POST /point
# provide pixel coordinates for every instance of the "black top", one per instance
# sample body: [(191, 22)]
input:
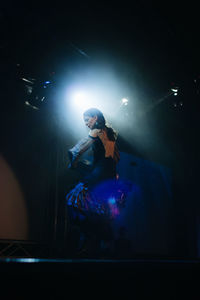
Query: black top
[(98, 150)]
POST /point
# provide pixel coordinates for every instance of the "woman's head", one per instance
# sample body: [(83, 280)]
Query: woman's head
[(94, 118)]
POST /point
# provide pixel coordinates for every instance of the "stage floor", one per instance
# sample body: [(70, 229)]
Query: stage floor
[(105, 268), (135, 278)]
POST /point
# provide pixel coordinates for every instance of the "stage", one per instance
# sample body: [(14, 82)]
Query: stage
[(106, 269), (136, 278)]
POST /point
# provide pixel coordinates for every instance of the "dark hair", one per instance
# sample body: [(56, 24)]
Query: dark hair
[(101, 123)]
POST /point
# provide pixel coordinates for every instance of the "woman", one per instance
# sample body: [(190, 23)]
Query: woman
[(97, 196)]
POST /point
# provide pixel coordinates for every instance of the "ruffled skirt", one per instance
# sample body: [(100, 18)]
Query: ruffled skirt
[(105, 199)]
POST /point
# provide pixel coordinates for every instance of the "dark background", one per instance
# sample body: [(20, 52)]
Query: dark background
[(154, 45)]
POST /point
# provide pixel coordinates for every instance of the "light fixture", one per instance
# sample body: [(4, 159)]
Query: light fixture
[(175, 91), (124, 101)]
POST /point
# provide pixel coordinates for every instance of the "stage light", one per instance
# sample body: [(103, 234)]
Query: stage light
[(124, 101), (79, 98), (32, 106), (175, 91), (82, 100), (46, 83)]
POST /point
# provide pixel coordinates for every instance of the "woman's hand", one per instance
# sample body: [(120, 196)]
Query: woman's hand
[(75, 152), (73, 160)]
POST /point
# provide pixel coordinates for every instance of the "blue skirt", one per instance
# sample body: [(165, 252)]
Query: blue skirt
[(106, 198)]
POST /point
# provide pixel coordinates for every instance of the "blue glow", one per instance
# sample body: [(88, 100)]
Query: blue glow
[(110, 189), (111, 201), (47, 82), (28, 260), (23, 260)]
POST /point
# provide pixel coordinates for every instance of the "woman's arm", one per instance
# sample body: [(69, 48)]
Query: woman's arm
[(75, 152)]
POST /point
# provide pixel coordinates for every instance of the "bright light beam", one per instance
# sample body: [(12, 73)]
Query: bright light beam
[(81, 100)]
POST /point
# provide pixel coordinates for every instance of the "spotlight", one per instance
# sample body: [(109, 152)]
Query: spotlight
[(175, 91), (124, 101), (84, 99), (79, 97), (30, 105), (46, 83)]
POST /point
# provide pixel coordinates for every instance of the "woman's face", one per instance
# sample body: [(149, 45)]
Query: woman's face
[(90, 121)]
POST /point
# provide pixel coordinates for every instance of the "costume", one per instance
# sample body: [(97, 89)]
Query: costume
[(99, 192), (98, 198)]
